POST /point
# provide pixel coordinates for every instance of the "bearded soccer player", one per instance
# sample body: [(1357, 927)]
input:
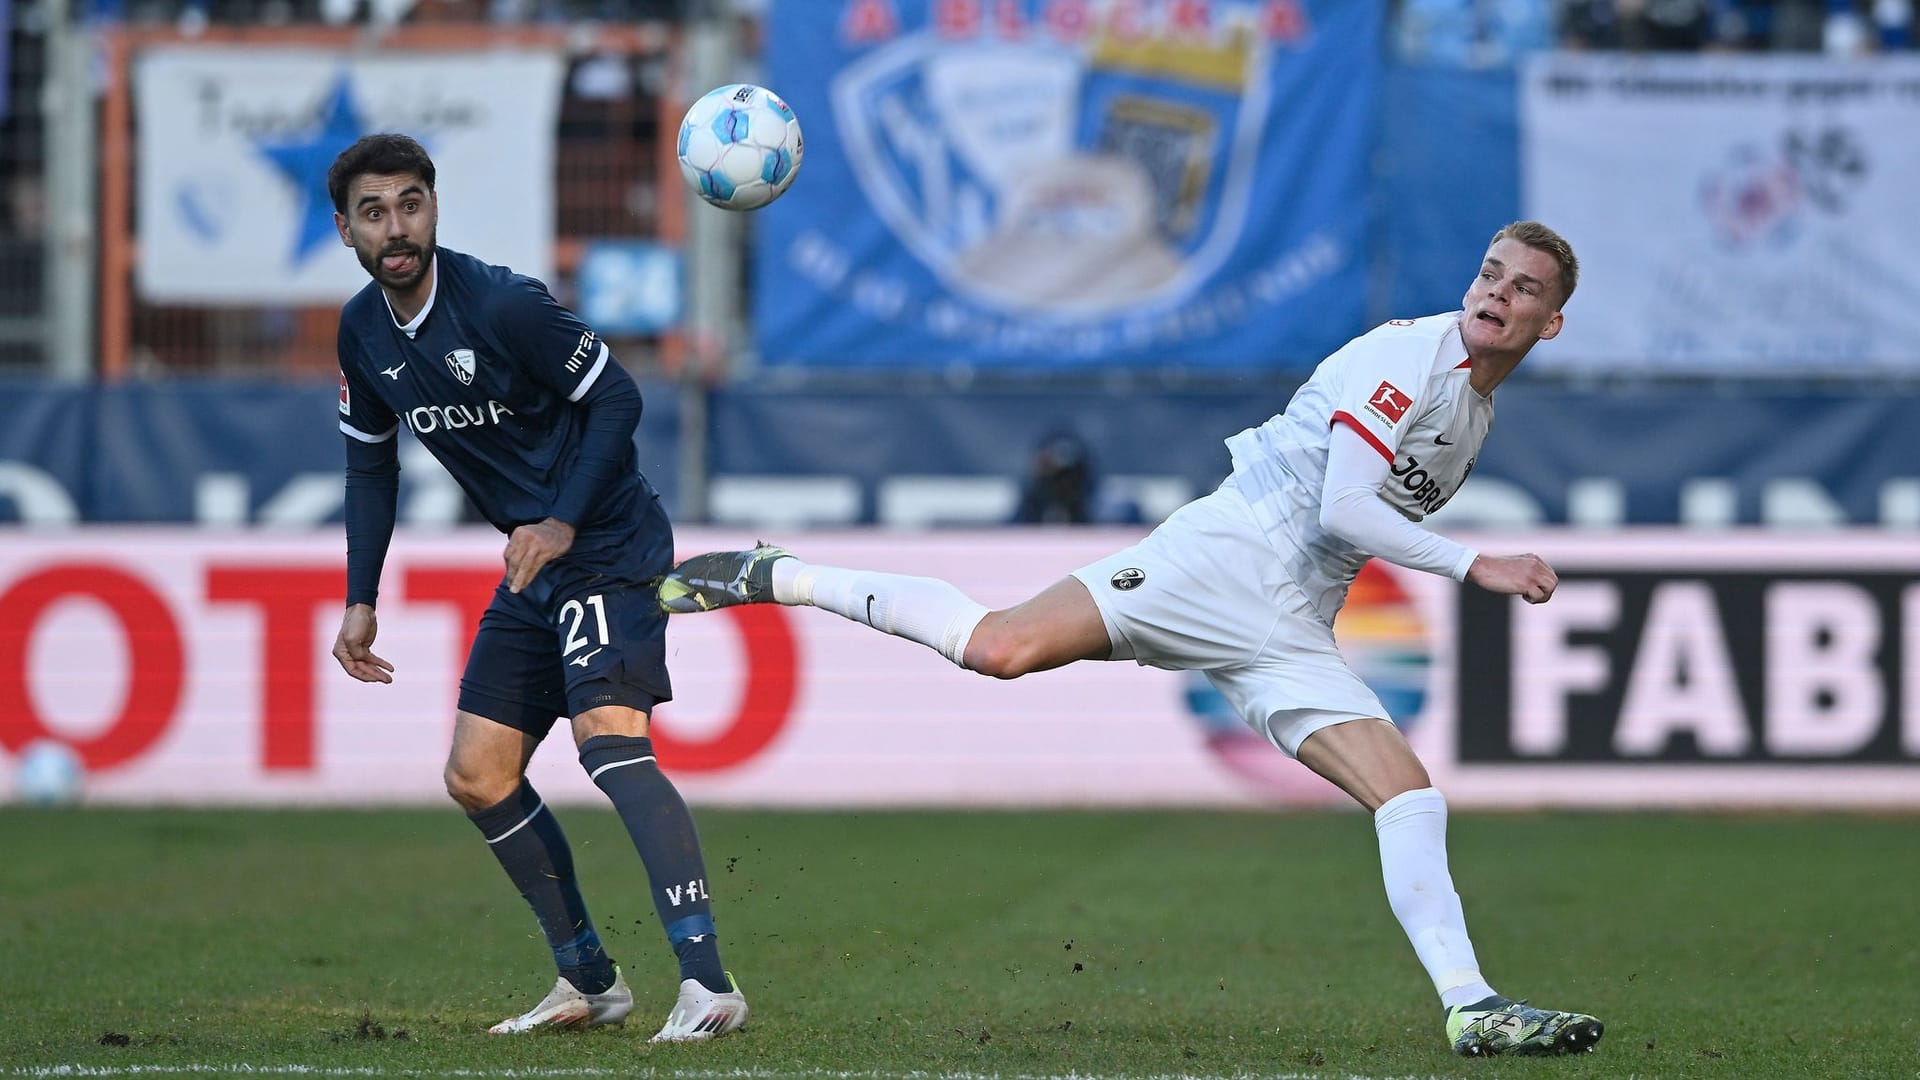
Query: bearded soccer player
[(530, 414), (1243, 584)]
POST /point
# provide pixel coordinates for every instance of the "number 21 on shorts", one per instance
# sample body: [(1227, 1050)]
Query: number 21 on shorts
[(577, 612)]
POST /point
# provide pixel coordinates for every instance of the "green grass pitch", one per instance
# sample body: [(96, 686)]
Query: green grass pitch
[(1148, 944)]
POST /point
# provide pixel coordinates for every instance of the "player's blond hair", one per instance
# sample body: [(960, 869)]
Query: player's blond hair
[(1540, 238)]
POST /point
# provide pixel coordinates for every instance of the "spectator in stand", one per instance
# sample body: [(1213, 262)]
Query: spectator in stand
[(1893, 21), (1471, 33), (1787, 25), (1875, 25), (1059, 484), (1835, 27), (1640, 25)]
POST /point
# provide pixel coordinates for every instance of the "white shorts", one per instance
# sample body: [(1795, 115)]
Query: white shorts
[(1206, 592)]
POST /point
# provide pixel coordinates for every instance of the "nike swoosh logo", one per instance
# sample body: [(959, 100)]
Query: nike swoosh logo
[(582, 660), (1442, 440), (393, 372), (870, 600)]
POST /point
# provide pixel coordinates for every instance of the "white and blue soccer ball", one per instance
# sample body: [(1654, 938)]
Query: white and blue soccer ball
[(48, 773), (740, 146)]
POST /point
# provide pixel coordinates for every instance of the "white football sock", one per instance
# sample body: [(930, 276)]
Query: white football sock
[(784, 573), (1412, 828), (922, 609)]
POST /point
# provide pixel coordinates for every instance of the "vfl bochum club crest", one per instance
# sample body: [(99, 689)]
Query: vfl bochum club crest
[(1080, 174), (460, 361)]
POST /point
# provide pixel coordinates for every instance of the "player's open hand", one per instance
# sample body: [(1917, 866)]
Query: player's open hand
[(534, 546), (1525, 576), (354, 647)]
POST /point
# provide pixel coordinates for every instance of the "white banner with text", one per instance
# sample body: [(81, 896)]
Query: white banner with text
[(235, 143), (1671, 669), (1738, 214)]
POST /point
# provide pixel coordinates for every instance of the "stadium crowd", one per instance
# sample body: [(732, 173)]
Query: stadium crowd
[(610, 113), (1490, 33)]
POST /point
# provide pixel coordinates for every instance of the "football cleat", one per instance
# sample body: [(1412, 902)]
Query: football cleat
[(1494, 1025), (567, 1009), (701, 1014), (721, 579)]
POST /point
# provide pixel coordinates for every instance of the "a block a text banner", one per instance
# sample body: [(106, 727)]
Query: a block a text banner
[(234, 146), (1669, 671), (1062, 183), (1732, 214)]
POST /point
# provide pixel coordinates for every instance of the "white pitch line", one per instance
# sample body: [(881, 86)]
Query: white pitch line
[(50, 1072)]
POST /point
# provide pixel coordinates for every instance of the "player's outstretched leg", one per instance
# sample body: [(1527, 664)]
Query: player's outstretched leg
[(1494, 1025), (721, 579), (922, 609)]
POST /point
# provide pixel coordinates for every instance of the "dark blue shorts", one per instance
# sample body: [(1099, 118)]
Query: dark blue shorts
[(587, 632)]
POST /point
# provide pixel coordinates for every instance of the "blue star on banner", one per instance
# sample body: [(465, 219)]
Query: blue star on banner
[(304, 162)]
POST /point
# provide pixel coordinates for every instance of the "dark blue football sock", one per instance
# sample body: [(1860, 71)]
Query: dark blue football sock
[(662, 829), (527, 840)]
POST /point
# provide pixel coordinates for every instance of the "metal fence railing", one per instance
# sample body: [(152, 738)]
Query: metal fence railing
[(23, 193), (615, 178)]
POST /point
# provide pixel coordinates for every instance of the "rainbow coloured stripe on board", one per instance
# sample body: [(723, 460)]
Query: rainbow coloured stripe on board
[(1384, 638)]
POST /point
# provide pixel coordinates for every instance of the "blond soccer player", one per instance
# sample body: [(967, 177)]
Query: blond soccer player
[(1243, 584)]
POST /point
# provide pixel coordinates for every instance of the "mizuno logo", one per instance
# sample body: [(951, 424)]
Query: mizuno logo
[(582, 660), (394, 372)]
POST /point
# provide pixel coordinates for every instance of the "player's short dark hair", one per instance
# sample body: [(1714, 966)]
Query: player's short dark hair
[(377, 155), (1540, 238)]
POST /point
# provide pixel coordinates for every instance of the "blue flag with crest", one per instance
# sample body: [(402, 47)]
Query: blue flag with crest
[(1044, 184)]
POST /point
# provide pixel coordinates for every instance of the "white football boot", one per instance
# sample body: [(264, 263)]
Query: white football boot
[(567, 1009), (701, 1014)]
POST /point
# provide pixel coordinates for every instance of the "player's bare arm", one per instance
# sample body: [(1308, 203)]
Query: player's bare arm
[(353, 647), (534, 546), (1526, 576)]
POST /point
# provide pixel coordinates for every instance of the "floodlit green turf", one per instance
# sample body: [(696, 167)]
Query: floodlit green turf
[(1148, 944)]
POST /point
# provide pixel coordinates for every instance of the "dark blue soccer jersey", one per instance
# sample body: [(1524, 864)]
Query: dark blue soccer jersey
[(486, 381)]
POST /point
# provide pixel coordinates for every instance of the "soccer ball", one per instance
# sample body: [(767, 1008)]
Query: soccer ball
[(740, 146), (48, 773)]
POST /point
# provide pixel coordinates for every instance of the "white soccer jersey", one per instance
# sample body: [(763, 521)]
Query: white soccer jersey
[(1403, 388)]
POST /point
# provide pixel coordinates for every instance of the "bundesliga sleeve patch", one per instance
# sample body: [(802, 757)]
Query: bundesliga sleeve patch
[(346, 403), (1389, 403)]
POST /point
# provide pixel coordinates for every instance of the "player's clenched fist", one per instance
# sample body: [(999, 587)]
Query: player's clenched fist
[(1526, 576)]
